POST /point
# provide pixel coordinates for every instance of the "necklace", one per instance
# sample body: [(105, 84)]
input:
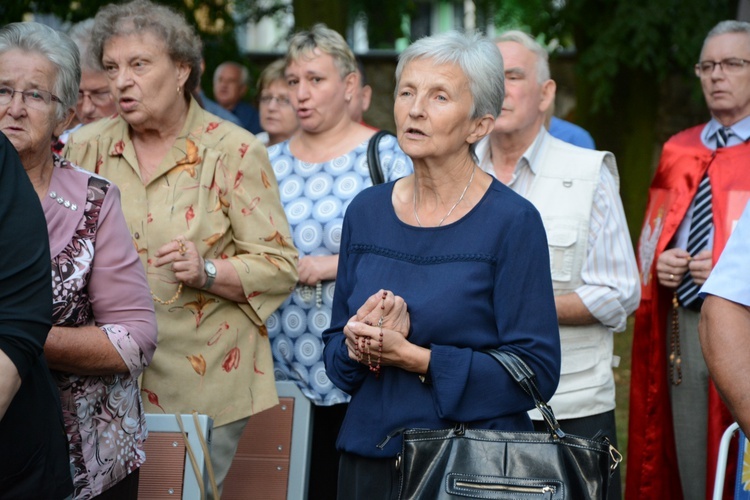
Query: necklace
[(460, 199)]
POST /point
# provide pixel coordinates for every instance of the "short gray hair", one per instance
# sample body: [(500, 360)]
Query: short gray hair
[(542, 56), (475, 55), (244, 73), (143, 16), (328, 41), (80, 33), (724, 27), (59, 50)]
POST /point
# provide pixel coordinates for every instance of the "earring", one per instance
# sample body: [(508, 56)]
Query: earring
[(178, 89), (348, 98)]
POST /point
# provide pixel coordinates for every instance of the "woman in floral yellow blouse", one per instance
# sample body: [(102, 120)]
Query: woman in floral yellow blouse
[(202, 204)]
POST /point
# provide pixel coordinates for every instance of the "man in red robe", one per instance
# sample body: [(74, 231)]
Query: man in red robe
[(698, 193)]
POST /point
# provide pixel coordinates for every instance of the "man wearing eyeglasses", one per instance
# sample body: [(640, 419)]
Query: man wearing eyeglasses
[(696, 197)]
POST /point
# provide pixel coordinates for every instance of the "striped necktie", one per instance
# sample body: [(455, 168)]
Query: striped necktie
[(700, 228)]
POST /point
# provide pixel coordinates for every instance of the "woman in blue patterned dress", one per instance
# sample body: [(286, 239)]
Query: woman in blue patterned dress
[(319, 170)]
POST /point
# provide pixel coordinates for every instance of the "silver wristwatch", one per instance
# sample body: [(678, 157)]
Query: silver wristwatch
[(210, 269)]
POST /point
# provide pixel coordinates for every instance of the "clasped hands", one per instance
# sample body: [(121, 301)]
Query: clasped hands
[(184, 260), (672, 265), (363, 330)]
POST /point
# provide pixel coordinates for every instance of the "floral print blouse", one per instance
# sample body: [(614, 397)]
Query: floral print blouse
[(97, 279), (216, 188), (315, 197)]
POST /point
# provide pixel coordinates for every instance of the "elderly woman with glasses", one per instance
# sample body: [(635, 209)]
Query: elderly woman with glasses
[(435, 268), (277, 116), (104, 327), (202, 206)]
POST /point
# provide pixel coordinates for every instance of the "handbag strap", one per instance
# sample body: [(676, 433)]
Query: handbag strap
[(525, 377), (373, 157)]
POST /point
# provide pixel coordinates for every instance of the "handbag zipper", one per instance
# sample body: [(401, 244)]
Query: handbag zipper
[(547, 491)]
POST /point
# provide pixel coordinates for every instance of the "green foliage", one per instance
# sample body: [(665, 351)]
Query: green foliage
[(214, 22), (384, 19), (254, 11), (656, 37), (519, 14)]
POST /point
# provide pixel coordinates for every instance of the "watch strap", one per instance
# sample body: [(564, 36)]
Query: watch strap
[(210, 270)]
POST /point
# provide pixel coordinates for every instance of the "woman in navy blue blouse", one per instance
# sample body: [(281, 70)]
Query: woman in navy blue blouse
[(434, 268)]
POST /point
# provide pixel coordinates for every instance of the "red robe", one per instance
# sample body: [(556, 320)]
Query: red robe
[(652, 463)]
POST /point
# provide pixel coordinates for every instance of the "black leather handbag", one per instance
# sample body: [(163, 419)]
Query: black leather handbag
[(373, 157), (474, 463)]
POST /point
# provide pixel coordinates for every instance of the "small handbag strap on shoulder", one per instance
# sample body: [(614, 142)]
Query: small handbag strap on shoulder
[(373, 157), (525, 377)]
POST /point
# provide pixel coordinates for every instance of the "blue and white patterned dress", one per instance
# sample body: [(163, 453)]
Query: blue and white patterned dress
[(315, 197)]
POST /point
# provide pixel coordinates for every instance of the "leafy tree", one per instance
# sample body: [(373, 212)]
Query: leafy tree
[(214, 21)]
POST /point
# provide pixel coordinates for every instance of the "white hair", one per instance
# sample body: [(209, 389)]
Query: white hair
[(59, 50), (542, 57), (724, 27), (244, 73), (478, 58)]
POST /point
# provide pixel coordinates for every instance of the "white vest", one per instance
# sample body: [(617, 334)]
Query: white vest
[(563, 192)]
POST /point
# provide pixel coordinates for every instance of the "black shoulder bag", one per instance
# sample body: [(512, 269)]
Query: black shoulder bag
[(373, 157), (474, 463)]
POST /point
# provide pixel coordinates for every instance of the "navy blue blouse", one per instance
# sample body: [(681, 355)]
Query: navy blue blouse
[(480, 282)]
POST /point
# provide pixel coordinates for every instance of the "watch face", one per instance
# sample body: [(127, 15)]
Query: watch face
[(210, 268)]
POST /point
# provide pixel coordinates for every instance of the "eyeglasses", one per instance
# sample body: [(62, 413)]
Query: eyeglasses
[(98, 97), (729, 66), (34, 98), (281, 101)]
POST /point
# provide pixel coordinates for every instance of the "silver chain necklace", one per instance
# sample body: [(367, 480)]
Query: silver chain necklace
[(452, 208)]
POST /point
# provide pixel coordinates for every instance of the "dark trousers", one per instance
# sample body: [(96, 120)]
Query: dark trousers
[(363, 478), (324, 460), (127, 489), (589, 427)]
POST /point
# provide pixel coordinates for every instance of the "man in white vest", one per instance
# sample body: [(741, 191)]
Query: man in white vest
[(594, 272)]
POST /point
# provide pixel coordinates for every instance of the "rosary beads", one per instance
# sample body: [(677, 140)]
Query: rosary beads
[(366, 351), (182, 250)]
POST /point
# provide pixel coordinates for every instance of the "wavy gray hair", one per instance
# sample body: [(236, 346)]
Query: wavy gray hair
[(58, 48), (478, 58), (143, 16)]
